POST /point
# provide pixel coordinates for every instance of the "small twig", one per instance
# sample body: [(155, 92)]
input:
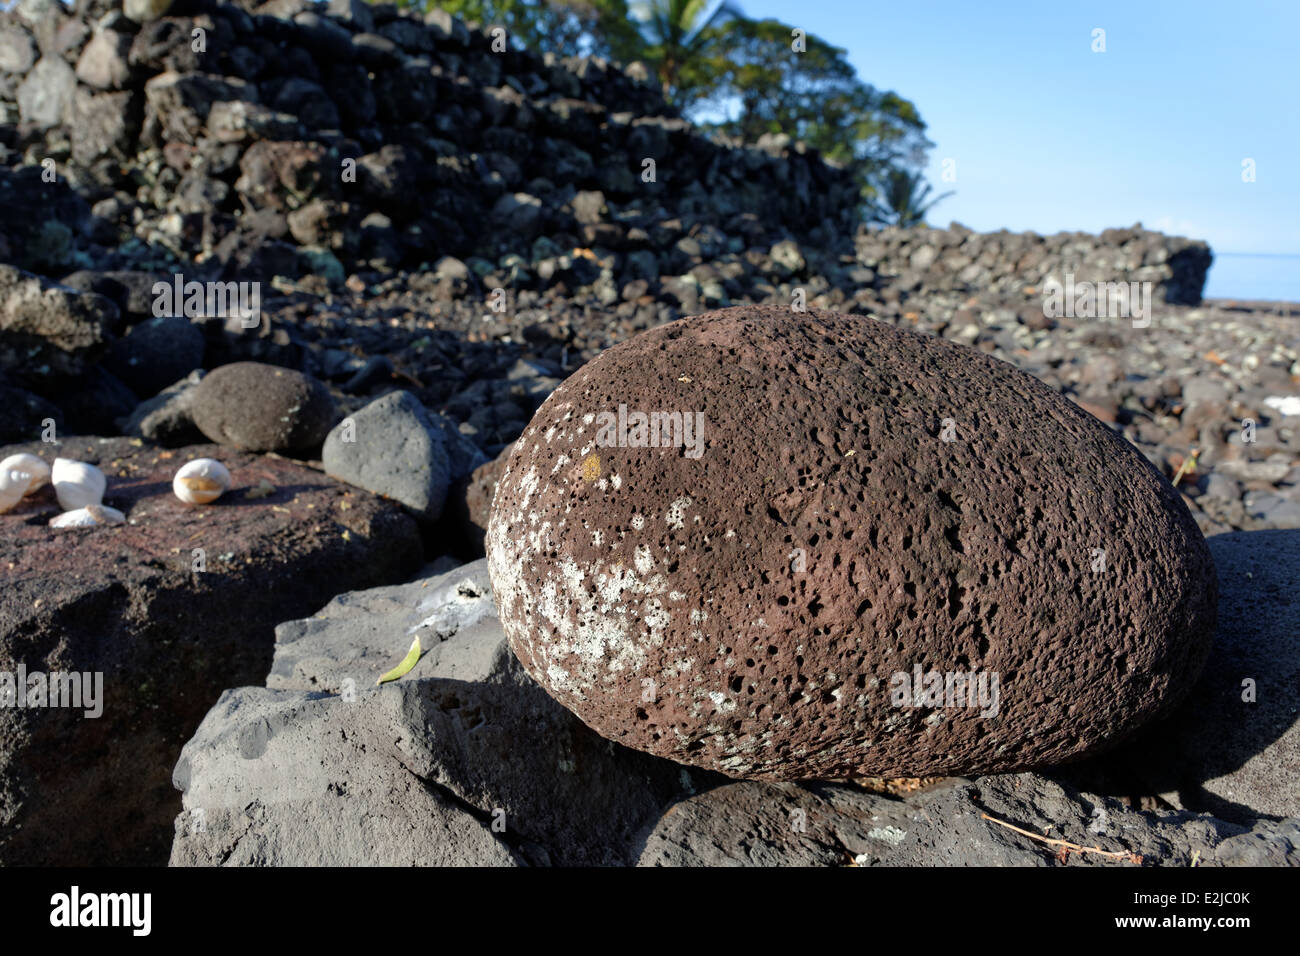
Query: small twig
[(1066, 846)]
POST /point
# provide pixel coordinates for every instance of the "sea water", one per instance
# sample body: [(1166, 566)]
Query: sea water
[(1254, 276)]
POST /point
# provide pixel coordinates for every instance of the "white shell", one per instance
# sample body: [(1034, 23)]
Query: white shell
[(77, 484), (88, 517), (34, 466), (201, 480), (13, 485)]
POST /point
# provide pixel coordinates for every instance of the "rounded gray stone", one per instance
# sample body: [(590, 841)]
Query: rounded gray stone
[(258, 407)]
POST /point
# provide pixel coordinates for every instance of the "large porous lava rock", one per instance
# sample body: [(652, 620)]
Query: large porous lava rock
[(170, 607), (258, 407), (854, 513)]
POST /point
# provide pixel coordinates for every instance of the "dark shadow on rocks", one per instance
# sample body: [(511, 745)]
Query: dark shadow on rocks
[(467, 725), (504, 743), (963, 822), (1232, 748)]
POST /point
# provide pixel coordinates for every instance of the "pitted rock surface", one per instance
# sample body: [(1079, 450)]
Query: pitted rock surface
[(748, 610)]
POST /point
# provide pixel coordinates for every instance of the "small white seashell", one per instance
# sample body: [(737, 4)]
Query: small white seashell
[(201, 480), (34, 466), (90, 516), (14, 483), (77, 484)]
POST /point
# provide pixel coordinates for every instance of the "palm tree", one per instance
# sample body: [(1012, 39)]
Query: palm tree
[(902, 198), (678, 36)]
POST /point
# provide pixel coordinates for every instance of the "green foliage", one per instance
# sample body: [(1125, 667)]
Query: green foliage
[(742, 77), (758, 80), (565, 27), (674, 38), (814, 95), (682, 41), (903, 198)]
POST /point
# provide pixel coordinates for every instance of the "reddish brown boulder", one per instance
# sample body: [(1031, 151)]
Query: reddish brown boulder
[(124, 600), (483, 487), (469, 505), (870, 510)]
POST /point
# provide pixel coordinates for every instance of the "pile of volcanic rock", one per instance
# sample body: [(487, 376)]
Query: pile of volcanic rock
[(290, 138), (957, 259), (280, 144)]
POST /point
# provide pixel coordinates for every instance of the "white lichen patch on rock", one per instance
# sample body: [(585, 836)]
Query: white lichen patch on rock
[(676, 516), (888, 834), (589, 626)]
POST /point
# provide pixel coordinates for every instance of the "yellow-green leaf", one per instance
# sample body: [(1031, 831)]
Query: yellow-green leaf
[(408, 662)]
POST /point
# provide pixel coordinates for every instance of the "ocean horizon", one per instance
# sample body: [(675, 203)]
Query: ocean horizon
[(1265, 276)]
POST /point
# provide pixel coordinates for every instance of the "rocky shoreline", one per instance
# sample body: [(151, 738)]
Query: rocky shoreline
[(284, 156)]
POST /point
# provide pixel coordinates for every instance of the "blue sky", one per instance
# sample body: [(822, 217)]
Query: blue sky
[(1048, 135)]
